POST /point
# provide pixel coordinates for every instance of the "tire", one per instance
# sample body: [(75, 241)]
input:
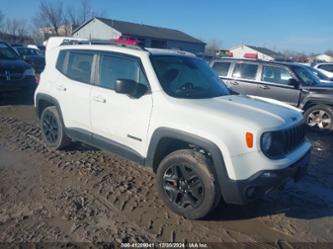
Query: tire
[(319, 118), (186, 184), (53, 129)]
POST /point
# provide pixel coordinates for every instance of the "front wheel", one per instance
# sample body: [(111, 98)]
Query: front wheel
[(186, 184), (319, 118)]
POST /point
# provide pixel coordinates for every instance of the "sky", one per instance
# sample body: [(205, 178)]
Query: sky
[(299, 25)]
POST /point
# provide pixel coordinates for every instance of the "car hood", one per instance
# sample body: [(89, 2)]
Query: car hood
[(13, 65), (321, 86), (244, 111)]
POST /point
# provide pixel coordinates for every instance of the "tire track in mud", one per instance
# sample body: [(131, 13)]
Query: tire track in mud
[(120, 185), (126, 191)]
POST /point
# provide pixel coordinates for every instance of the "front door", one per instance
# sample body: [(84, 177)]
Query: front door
[(274, 84), (118, 118)]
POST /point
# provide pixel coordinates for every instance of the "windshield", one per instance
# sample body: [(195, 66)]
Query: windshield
[(306, 75), (7, 52), (187, 77), (27, 51), (319, 74)]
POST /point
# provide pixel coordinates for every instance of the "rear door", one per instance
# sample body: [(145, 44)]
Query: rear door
[(243, 78), (274, 84)]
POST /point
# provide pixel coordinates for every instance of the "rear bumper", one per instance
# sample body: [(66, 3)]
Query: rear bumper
[(244, 191), (16, 85)]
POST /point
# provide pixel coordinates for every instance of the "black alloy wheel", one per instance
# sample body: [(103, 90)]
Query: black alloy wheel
[(183, 186)]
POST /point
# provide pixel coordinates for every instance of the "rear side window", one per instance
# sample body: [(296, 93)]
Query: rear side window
[(278, 75), (61, 61), (221, 68), (113, 67), (328, 67), (245, 71), (79, 66)]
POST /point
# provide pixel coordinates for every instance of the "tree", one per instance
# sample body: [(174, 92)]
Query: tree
[(212, 47), (15, 27), (50, 15), (85, 11), (329, 52)]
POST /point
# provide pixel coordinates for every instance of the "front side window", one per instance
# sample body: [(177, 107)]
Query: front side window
[(7, 53), (113, 67), (278, 75), (245, 71), (79, 66), (221, 68), (187, 77)]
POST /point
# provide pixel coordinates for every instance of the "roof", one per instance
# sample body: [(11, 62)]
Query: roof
[(286, 63), (158, 51), (266, 51), (141, 30)]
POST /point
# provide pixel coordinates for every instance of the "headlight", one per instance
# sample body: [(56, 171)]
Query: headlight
[(273, 144), (29, 72), (266, 141)]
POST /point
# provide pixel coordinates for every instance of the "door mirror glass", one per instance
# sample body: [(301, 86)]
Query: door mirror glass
[(294, 83), (130, 87)]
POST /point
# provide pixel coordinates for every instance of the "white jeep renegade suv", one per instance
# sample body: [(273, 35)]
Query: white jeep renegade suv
[(167, 110)]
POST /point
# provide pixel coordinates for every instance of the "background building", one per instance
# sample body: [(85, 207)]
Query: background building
[(323, 57), (150, 36), (252, 52)]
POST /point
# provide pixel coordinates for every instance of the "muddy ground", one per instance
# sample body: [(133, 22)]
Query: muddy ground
[(86, 195)]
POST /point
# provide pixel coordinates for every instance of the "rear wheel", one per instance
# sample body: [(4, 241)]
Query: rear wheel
[(52, 129), (319, 118), (186, 184)]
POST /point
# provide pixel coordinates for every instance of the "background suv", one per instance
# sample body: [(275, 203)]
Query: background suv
[(294, 84), (167, 110)]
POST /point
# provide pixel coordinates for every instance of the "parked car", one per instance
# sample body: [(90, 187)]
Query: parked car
[(15, 74), (291, 83), (33, 57), (167, 110), (325, 68), (322, 77)]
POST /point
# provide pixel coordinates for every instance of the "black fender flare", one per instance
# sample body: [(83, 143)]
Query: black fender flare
[(228, 187), (50, 99), (316, 101)]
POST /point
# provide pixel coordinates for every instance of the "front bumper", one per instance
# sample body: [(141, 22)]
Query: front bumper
[(16, 85), (263, 182)]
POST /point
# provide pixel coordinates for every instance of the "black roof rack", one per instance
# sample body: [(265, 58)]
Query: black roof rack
[(67, 42)]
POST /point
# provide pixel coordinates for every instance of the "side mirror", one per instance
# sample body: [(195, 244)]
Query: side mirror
[(130, 87), (294, 83)]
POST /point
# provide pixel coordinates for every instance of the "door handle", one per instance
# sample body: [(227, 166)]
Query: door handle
[(61, 88), (264, 87), (235, 83), (99, 99)]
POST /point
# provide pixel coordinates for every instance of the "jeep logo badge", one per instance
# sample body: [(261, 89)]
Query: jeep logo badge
[(7, 75)]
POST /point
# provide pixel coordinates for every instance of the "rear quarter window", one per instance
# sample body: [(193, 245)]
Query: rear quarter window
[(61, 61), (76, 65)]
